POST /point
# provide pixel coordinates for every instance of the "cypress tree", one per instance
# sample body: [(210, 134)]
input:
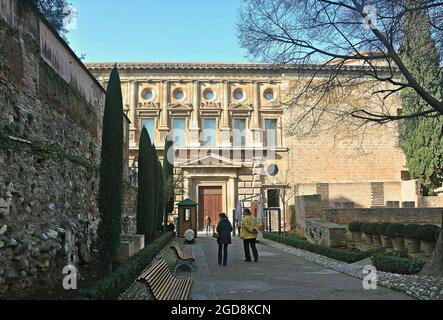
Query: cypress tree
[(422, 138), (161, 201), (111, 175), (145, 194), (143, 189), (168, 179), (156, 189)]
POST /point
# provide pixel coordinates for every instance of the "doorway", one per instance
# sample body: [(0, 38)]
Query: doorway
[(210, 201)]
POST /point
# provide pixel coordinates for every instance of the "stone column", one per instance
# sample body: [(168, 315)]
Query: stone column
[(163, 127), (225, 130), (194, 123), (231, 196), (133, 104), (257, 132)]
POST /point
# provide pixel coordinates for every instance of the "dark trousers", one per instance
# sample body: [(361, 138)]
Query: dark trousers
[(250, 243), (224, 248)]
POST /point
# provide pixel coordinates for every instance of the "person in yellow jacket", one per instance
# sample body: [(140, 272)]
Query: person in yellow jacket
[(249, 231)]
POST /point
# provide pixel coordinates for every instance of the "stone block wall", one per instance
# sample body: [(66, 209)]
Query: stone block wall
[(400, 215), (325, 233), (50, 136)]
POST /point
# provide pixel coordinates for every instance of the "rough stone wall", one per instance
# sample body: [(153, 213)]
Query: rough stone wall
[(400, 215), (325, 233), (49, 154), (129, 209)]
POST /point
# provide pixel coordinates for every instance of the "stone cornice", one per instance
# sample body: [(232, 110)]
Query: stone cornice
[(245, 66)]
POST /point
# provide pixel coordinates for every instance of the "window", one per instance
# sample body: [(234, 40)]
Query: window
[(208, 94), (179, 132), (238, 94), (269, 95), (209, 132), (148, 94), (149, 124), (272, 170), (271, 132), (239, 132), (187, 214), (179, 94), (273, 198)]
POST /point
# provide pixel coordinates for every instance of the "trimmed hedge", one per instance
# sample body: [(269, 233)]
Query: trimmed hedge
[(390, 263), (355, 226), (111, 287), (394, 230), (411, 230), (427, 232), (344, 255), (372, 228), (381, 228)]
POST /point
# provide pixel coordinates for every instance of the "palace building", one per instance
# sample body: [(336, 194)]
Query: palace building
[(229, 123)]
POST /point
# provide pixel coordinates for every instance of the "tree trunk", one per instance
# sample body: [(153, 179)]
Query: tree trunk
[(435, 265)]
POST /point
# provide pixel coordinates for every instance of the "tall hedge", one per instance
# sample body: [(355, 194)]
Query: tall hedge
[(161, 201), (168, 177), (422, 139), (145, 194), (111, 175), (143, 169), (156, 189)]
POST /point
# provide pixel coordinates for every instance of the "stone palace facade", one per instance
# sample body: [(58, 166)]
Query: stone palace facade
[(228, 121)]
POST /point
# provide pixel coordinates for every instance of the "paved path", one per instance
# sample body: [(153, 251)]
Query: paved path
[(278, 275)]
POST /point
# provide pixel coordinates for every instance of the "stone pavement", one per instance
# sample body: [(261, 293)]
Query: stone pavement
[(277, 275)]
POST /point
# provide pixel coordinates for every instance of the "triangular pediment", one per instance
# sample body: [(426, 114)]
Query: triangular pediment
[(213, 160)]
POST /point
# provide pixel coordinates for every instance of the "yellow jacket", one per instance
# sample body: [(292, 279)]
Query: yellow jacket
[(248, 224)]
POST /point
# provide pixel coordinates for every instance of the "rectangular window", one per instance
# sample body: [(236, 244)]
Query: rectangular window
[(149, 124), (179, 131), (239, 133), (273, 198), (209, 132), (271, 132)]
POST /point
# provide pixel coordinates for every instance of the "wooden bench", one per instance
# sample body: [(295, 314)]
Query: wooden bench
[(185, 258), (163, 285)]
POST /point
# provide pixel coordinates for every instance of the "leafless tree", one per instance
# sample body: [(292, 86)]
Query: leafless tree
[(348, 55), (342, 44)]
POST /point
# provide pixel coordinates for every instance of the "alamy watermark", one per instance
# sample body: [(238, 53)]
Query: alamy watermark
[(70, 278), (370, 19), (370, 278), (70, 19)]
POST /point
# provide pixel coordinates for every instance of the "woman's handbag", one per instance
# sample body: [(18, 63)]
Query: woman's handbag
[(215, 235)]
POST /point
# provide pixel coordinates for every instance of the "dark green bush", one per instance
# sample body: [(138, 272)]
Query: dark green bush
[(355, 226), (344, 255), (395, 230), (437, 233), (111, 287), (427, 232), (364, 227), (410, 231), (171, 227), (390, 263), (372, 228), (381, 228)]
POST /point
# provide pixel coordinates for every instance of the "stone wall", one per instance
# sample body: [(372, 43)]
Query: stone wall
[(325, 233), (401, 215), (50, 136), (129, 209), (306, 207)]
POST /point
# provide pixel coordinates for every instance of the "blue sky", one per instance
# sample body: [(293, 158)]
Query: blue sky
[(157, 30)]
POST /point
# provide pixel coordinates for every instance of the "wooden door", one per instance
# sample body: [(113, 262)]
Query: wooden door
[(210, 204)]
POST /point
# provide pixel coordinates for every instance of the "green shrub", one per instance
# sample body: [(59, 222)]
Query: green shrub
[(364, 227), (437, 234), (372, 228), (381, 228), (410, 231), (390, 263), (111, 287), (395, 230), (344, 255), (355, 226), (427, 232)]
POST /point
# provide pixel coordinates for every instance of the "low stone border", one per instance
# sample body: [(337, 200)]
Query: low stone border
[(419, 287)]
